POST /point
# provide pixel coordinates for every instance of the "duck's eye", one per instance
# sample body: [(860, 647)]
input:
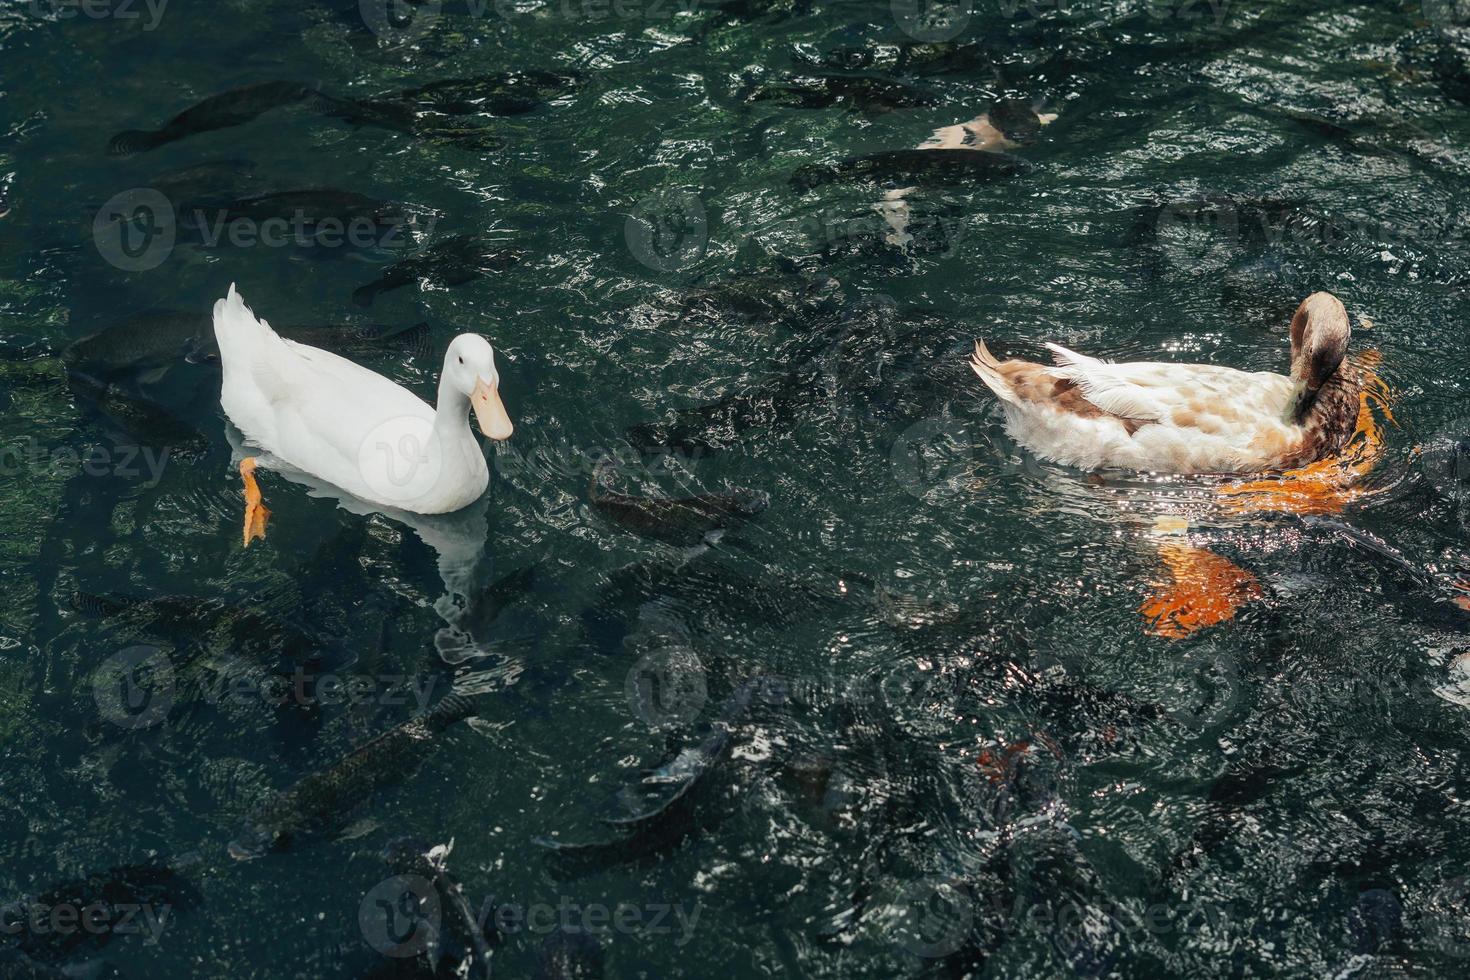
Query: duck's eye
[(461, 360)]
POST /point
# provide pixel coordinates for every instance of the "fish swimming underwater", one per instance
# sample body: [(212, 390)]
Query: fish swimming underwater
[(1008, 124), (508, 93), (409, 110), (865, 93), (201, 622), (331, 218), (452, 262), (323, 799), (132, 350), (233, 108), (905, 168), (662, 805), (1186, 418), (682, 521)]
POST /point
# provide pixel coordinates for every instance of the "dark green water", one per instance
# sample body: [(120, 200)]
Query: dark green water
[(1281, 795)]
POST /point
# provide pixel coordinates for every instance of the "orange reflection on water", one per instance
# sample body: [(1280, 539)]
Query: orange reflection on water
[(1203, 589), (1330, 484)]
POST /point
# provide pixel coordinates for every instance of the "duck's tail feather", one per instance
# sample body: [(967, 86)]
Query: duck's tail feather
[(242, 338), (984, 364)]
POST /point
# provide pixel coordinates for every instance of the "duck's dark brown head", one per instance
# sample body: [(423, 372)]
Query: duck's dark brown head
[(1319, 339)]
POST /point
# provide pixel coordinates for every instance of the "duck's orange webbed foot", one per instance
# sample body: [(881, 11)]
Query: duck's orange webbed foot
[(1203, 589), (256, 513)]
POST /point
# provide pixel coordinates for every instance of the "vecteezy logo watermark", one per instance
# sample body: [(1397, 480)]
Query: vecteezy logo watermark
[(935, 457), (135, 231), (1198, 237), (138, 229), (401, 460), (236, 680), (299, 229), (403, 915), (400, 22), (931, 21), (127, 462), (400, 917), (101, 10), (668, 230), (667, 687), (134, 688), (1214, 687), (97, 918)]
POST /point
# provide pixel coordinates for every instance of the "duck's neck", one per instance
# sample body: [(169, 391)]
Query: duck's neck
[(1334, 412), (451, 414)]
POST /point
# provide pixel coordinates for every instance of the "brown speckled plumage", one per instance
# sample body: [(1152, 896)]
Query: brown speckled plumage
[(1187, 418)]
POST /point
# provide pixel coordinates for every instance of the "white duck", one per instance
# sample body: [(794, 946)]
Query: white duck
[(325, 416), (1186, 418)]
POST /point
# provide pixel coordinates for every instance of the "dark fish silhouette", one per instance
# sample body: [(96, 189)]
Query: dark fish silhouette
[(323, 799), (898, 57), (501, 94), (312, 214), (663, 803), (716, 426), (912, 167), (569, 954), (196, 621), (452, 262), (676, 520), (119, 896), (410, 110), (460, 946), (233, 108), (130, 349), (835, 357), (761, 298), (865, 93)]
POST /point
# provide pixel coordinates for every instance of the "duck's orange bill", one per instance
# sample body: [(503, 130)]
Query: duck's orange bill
[(490, 411), (1328, 485), (256, 513), (1203, 589)]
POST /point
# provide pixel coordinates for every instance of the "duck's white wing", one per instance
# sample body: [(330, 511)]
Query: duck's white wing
[(1155, 391), (315, 410), (1137, 390)]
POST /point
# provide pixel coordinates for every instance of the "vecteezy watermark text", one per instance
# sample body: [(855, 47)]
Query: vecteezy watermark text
[(97, 918), (128, 462), (401, 915), (138, 229), (101, 10), (136, 688)]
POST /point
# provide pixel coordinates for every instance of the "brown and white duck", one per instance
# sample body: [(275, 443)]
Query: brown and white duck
[(1187, 418)]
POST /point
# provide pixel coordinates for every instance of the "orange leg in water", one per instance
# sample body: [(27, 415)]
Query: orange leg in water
[(1203, 589), (256, 513)]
